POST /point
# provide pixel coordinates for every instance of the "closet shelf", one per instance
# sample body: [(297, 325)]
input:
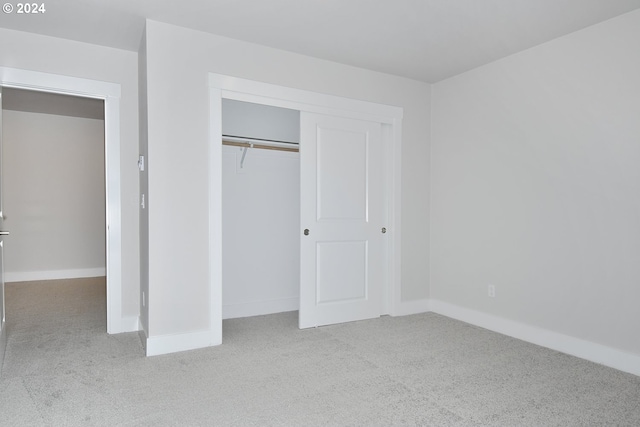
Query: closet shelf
[(259, 143)]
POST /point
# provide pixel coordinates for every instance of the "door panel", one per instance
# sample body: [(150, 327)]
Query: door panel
[(341, 177), (341, 272)]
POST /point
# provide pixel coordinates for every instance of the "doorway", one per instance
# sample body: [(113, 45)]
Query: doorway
[(389, 118), (109, 93)]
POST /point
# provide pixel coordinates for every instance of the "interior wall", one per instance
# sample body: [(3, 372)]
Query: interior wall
[(52, 55), (535, 185), (54, 196), (178, 63)]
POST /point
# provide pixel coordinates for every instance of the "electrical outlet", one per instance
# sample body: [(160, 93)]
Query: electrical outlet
[(491, 291)]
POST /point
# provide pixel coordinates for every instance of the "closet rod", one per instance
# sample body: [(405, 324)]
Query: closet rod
[(259, 143)]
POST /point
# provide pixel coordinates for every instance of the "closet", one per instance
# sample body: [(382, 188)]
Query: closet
[(260, 209), (310, 230)]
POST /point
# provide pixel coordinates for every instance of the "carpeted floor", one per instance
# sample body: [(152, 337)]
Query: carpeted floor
[(62, 369)]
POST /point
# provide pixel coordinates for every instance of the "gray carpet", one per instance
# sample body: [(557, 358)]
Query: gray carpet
[(62, 369)]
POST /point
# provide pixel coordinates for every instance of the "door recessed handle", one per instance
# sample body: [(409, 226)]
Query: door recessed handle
[(306, 231)]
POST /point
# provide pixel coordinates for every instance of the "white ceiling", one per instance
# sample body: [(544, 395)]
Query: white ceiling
[(427, 40)]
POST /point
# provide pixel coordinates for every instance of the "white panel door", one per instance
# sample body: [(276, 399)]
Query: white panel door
[(341, 217), (3, 332)]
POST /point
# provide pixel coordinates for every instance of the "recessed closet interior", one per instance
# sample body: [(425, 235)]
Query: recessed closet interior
[(260, 209)]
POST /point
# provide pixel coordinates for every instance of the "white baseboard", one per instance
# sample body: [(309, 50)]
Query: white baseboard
[(411, 307), (165, 344), (593, 352), (258, 308), (31, 276)]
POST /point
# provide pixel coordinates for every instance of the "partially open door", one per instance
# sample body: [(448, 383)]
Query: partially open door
[(342, 214)]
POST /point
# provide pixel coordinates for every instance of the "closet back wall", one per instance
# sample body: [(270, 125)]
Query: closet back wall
[(249, 120)]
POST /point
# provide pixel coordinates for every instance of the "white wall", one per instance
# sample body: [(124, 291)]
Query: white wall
[(535, 186), (54, 196), (51, 55), (260, 232), (248, 120), (178, 61)]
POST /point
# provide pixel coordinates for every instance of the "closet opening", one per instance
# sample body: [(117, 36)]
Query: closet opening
[(260, 209)]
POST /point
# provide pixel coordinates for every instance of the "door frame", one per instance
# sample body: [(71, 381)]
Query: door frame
[(110, 94), (235, 88)]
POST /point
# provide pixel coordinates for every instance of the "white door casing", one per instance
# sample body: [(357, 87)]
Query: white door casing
[(342, 214)]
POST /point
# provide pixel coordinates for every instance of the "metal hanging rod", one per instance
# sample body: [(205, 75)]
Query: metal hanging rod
[(237, 141)]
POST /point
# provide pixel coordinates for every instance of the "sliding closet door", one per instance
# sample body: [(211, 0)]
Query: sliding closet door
[(342, 236)]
